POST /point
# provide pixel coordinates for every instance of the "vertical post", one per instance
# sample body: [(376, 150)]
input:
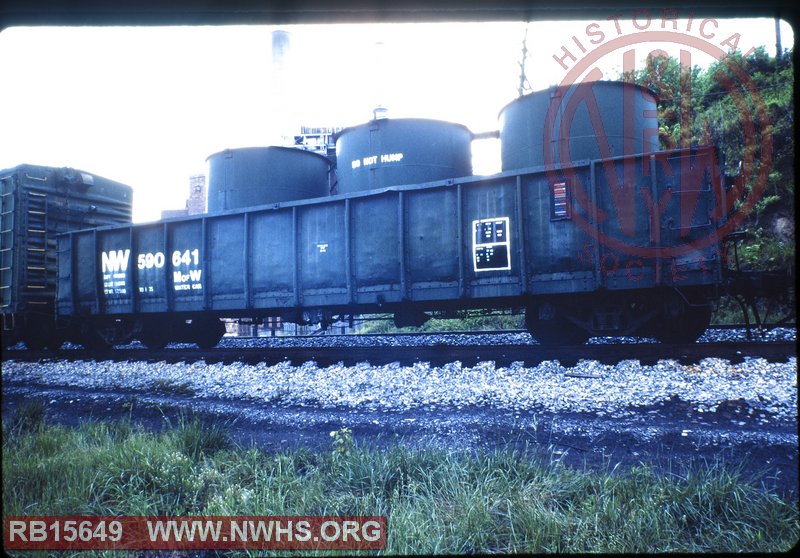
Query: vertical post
[(134, 273), (246, 261), (296, 252), (348, 253), (401, 226), (98, 277), (207, 281), (462, 287), (169, 288), (521, 245), (598, 274), (73, 267), (655, 225)]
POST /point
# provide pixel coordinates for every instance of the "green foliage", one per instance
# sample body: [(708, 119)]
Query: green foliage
[(342, 440), (764, 252), (196, 438), (435, 501), (477, 321), (728, 311), (27, 418), (172, 387)]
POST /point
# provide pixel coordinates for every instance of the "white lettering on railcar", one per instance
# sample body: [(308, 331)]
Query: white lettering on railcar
[(391, 157), (115, 260), (150, 260), (146, 262), (491, 245), (115, 266), (373, 160), (187, 274)]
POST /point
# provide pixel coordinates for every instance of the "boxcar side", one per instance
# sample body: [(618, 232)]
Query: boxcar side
[(38, 203)]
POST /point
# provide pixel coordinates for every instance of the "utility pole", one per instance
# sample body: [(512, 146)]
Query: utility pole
[(524, 84)]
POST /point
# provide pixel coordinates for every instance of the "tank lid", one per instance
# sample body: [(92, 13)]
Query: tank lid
[(553, 88), (343, 131), (270, 148)]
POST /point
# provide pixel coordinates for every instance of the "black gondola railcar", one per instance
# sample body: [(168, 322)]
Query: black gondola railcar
[(469, 242)]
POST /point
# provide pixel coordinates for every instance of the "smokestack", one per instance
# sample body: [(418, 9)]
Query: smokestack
[(280, 48), (282, 122), (380, 80)]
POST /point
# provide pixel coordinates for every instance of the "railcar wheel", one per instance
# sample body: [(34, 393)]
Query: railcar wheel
[(9, 339), (682, 323), (207, 332), (90, 336), (154, 333), (549, 327), (34, 341), (39, 334), (93, 341), (154, 338)]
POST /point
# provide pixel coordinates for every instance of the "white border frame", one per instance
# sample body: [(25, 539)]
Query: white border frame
[(506, 243)]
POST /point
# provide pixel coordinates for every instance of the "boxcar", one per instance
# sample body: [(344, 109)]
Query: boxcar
[(36, 204)]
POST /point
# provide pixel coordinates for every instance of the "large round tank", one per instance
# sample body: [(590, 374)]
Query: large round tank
[(604, 119), (390, 152), (250, 176)]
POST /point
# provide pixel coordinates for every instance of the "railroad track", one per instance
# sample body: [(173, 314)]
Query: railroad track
[(326, 335), (502, 355)]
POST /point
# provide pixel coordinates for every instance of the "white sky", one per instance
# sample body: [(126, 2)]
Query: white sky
[(147, 105)]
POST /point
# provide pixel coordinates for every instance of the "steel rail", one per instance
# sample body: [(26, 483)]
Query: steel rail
[(468, 355), (318, 334)]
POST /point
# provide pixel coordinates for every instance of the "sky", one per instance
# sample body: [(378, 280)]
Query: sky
[(147, 105)]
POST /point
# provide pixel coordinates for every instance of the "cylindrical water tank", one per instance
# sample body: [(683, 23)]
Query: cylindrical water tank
[(567, 124), (250, 176), (390, 152)]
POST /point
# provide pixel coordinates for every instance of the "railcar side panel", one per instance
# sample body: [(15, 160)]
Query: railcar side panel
[(323, 254), (490, 229), (116, 270), (654, 204), (377, 247), (271, 258), (227, 262), (187, 280), (693, 216), (434, 253), (559, 250), (152, 261), (87, 274)]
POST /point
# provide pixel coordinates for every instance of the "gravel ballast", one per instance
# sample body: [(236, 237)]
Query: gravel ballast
[(766, 389)]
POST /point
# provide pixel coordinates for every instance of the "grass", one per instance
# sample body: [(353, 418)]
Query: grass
[(436, 502), (171, 387)]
